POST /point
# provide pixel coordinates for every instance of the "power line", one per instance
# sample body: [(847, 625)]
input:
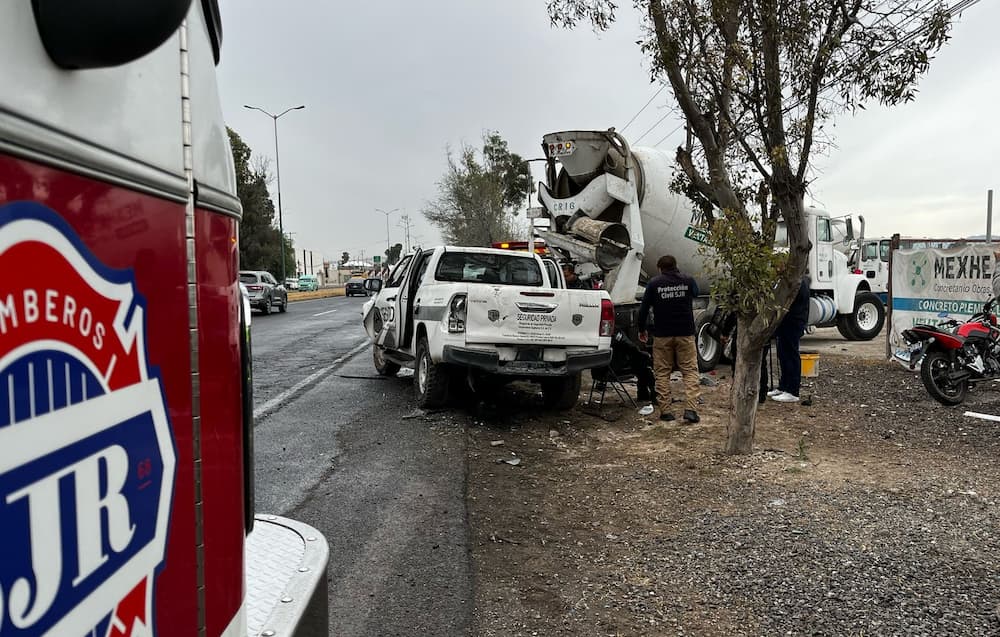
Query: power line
[(652, 128), (679, 126), (644, 107)]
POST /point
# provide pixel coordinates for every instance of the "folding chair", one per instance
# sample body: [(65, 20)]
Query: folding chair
[(616, 382)]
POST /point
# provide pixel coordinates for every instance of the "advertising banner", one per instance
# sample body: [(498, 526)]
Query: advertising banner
[(930, 286)]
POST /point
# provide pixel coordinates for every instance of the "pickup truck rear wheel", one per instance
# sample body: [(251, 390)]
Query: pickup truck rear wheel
[(561, 393), (430, 380), (383, 366)]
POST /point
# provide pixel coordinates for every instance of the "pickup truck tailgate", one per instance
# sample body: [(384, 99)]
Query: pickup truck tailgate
[(506, 314)]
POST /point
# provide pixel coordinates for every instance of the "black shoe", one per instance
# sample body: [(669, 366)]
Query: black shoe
[(666, 416), (691, 416)]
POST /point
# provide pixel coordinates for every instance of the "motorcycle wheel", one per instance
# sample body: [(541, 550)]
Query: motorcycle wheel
[(934, 372)]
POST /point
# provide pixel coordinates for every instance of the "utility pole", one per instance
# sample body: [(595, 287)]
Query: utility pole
[(277, 169), (387, 227), (405, 223), (290, 235)]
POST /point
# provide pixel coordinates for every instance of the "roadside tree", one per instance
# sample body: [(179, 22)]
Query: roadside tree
[(260, 240), (758, 83), (480, 194)]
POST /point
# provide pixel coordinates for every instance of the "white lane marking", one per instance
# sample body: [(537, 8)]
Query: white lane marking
[(327, 312), (275, 402)]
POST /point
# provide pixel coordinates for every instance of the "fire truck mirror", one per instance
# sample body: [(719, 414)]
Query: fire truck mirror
[(95, 34)]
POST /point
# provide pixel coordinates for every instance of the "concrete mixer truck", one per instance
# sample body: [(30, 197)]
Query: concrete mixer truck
[(610, 207)]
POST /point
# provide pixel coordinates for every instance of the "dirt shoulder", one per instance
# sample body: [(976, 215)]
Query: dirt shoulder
[(871, 511), (322, 293)]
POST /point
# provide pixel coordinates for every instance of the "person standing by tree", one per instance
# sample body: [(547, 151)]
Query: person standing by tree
[(670, 296), (788, 334)]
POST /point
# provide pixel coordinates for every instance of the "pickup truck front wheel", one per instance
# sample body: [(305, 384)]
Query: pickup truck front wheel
[(383, 366), (561, 393), (431, 380)]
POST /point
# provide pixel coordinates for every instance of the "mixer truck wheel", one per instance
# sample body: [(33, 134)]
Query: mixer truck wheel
[(709, 349), (867, 319), (844, 327)]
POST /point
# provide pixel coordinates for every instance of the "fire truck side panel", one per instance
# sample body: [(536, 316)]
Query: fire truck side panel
[(106, 155), (213, 159), (130, 230), (217, 254), (221, 416), (122, 108)]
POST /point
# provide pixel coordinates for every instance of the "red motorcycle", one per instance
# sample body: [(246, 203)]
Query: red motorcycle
[(954, 355)]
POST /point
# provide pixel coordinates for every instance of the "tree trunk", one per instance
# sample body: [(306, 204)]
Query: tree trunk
[(746, 389)]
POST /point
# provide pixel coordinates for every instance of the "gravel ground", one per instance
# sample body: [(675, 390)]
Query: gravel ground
[(870, 512)]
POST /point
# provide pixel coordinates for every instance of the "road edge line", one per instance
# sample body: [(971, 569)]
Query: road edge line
[(272, 405)]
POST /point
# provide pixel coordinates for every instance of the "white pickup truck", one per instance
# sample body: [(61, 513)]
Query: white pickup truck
[(474, 317)]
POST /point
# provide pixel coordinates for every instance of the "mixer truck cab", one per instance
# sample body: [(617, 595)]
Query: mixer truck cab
[(126, 427), (610, 206), (478, 317), (841, 296)]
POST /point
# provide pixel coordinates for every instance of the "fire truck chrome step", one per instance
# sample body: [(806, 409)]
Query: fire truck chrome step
[(286, 579)]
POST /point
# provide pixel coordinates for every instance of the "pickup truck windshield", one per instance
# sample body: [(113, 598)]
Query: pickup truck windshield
[(503, 269)]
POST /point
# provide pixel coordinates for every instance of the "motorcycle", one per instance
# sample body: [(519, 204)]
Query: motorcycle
[(956, 354)]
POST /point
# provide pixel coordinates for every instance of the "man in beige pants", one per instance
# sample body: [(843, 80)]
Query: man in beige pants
[(670, 295)]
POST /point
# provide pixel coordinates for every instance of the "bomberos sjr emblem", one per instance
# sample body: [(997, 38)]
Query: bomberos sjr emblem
[(86, 453)]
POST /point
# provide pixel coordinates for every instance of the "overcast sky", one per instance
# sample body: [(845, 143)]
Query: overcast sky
[(389, 85)]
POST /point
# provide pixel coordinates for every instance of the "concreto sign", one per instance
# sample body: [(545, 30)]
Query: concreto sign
[(84, 508), (932, 285)]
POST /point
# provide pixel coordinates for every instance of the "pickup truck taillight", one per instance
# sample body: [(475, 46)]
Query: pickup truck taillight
[(607, 318), (457, 314)]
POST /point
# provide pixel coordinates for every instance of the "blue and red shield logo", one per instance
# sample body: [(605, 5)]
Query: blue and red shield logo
[(86, 453)]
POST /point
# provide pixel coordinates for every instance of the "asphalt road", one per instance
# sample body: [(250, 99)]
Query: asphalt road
[(343, 450)]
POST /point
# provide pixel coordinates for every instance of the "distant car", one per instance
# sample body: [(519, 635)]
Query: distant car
[(291, 283), (355, 286), (308, 283), (265, 292)]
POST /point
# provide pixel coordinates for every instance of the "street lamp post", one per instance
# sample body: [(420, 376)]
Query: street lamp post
[(387, 228), (277, 170)]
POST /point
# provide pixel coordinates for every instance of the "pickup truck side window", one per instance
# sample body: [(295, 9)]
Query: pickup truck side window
[(477, 267), (553, 271), (399, 273), (423, 268)]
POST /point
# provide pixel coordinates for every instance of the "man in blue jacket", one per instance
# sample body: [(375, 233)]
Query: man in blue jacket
[(670, 294)]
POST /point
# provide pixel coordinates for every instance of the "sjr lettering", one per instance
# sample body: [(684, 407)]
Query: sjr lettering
[(102, 519)]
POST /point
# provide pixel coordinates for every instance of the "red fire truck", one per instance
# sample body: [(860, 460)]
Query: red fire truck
[(126, 410)]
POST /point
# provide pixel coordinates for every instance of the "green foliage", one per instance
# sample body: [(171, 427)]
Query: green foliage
[(260, 240), (758, 82), (392, 254), (480, 193), (748, 266)]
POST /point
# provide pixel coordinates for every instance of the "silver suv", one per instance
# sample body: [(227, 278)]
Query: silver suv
[(265, 292)]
